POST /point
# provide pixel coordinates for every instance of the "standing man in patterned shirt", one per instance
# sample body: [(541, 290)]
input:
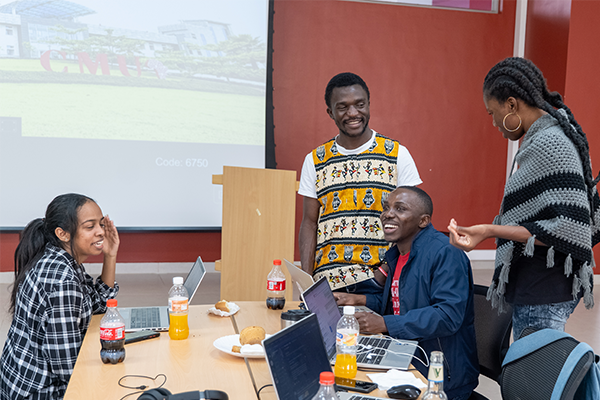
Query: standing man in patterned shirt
[(344, 183)]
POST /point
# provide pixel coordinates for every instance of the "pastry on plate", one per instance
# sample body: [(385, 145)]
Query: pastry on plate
[(252, 335)]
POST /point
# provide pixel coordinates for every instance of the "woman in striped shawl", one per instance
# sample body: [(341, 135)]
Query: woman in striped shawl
[(550, 214)]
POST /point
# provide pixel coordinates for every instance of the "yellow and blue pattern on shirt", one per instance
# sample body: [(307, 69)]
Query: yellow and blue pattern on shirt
[(351, 190)]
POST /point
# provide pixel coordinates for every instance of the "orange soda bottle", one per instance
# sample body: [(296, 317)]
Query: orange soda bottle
[(346, 344), (178, 310)]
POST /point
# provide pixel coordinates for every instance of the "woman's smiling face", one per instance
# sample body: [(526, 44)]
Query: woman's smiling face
[(89, 238)]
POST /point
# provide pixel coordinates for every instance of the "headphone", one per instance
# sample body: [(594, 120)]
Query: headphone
[(164, 394)]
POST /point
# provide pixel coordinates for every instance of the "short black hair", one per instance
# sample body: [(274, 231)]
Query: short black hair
[(424, 198), (342, 80)]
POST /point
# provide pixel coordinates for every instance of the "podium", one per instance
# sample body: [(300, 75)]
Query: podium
[(259, 207)]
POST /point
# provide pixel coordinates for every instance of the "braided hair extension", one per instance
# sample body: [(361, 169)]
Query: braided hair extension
[(520, 78)]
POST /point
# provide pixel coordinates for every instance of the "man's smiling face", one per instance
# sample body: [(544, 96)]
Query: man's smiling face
[(403, 216), (350, 110)]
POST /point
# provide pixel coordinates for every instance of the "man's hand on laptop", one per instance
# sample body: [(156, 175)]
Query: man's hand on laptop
[(347, 299), (370, 323)]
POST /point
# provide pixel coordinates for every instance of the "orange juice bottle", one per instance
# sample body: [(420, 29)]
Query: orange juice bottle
[(178, 310), (345, 366), (346, 344)]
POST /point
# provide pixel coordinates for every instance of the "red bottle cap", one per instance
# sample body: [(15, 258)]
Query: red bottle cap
[(111, 303), (327, 378), (276, 262)]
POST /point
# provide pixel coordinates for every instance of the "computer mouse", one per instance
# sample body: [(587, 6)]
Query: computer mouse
[(404, 392)]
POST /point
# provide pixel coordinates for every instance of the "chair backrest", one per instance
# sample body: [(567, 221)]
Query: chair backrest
[(545, 365), (493, 334)]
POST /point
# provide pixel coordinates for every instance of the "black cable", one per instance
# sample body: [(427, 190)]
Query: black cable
[(267, 385), (140, 389)]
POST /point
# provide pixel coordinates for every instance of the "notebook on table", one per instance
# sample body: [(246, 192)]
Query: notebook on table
[(296, 357), (157, 318), (373, 351)]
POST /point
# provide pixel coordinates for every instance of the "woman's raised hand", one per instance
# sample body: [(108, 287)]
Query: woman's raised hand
[(111, 238)]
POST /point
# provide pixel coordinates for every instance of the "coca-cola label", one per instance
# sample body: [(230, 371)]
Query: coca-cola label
[(275, 286), (178, 305), (112, 333)]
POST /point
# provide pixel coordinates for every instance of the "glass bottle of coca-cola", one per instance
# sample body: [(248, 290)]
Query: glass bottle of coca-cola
[(112, 335), (276, 287)]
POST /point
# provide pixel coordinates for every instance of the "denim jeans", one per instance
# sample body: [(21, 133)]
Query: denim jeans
[(540, 316), (370, 286)]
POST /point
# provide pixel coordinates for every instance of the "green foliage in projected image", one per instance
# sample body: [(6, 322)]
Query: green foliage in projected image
[(134, 113)]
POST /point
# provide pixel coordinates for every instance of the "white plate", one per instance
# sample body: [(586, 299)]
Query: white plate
[(225, 344)]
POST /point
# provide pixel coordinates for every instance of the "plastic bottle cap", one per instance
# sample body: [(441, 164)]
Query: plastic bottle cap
[(348, 310), (276, 262), (327, 378), (111, 303), (178, 280)]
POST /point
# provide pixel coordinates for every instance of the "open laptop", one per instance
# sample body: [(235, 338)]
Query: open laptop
[(304, 280), (296, 357), (373, 351), (301, 279), (157, 318)]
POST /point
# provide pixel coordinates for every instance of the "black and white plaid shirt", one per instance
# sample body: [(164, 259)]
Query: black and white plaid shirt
[(52, 312)]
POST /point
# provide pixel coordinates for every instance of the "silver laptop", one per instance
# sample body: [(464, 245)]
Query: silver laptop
[(157, 318), (373, 351), (296, 357), (303, 281)]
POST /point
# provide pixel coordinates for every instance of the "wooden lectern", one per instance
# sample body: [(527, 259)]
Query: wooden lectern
[(259, 207)]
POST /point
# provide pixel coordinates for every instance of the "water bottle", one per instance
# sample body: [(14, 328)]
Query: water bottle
[(276, 287), (178, 310), (435, 387), (112, 335), (346, 344), (326, 391)]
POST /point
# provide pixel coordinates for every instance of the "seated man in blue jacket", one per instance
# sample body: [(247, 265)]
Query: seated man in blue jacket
[(428, 293)]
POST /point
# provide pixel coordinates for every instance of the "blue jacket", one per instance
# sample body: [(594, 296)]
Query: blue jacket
[(436, 307)]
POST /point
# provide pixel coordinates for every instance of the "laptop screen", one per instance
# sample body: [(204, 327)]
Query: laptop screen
[(319, 300), (296, 357), (194, 277)]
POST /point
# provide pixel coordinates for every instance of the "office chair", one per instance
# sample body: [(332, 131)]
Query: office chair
[(545, 363), (492, 332)]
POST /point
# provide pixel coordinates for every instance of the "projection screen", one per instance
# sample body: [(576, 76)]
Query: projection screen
[(133, 103)]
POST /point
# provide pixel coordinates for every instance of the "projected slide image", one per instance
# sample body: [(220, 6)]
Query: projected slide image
[(136, 103), (169, 82)]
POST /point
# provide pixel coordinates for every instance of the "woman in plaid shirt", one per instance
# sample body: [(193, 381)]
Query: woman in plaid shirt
[(53, 297)]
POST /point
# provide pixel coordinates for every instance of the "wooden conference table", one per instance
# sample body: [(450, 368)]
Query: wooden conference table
[(192, 364)]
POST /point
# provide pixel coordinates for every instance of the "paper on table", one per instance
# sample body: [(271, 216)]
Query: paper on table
[(232, 307), (252, 349), (395, 377)]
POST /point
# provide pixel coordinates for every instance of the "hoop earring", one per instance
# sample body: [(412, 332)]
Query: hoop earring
[(504, 122)]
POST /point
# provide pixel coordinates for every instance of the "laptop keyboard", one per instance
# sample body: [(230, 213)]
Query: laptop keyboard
[(145, 317), (375, 353)]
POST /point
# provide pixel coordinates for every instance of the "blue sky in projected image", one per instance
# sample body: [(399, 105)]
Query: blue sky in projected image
[(244, 16)]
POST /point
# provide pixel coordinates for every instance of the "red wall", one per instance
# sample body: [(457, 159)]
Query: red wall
[(424, 67), (141, 247), (582, 78), (547, 39)]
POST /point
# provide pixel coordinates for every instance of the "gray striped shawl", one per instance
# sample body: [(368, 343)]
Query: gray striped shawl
[(548, 196)]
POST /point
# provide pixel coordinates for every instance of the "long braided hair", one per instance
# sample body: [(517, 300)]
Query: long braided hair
[(520, 78)]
